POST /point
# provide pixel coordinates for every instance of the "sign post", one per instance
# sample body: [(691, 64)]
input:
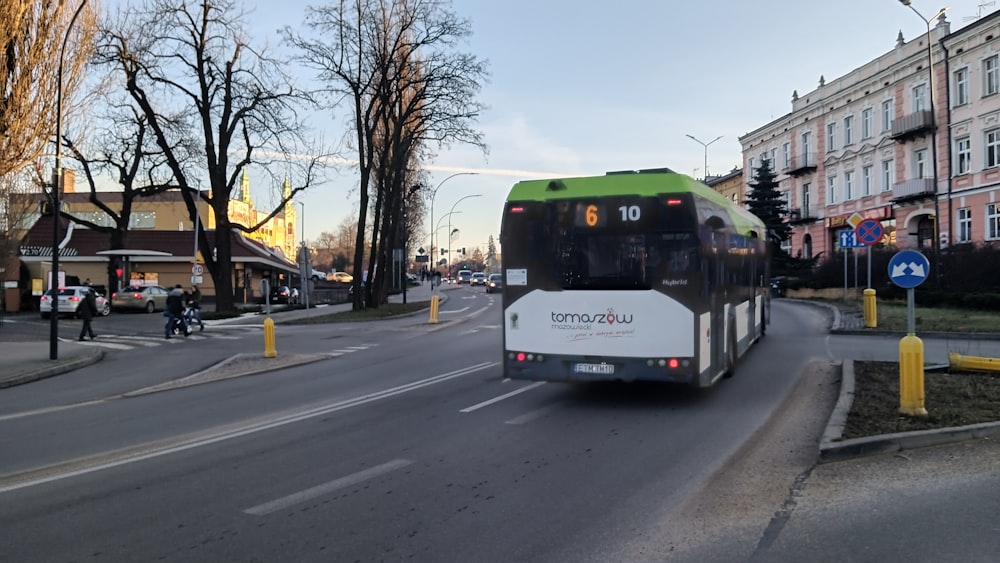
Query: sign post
[(908, 269), (847, 240), (869, 232)]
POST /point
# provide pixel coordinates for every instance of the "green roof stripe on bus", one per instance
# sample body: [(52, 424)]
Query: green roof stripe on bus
[(648, 185)]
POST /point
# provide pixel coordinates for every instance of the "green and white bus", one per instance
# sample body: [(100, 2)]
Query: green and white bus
[(647, 275)]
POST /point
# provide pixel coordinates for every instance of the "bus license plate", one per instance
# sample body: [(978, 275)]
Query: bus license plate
[(602, 369)]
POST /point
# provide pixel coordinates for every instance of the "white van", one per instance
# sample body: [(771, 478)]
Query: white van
[(464, 276)]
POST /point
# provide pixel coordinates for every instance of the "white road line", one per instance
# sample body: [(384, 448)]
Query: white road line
[(502, 397), (48, 410), (453, 311), (108, 460), (106, 344), (528, 417), (326, 488)]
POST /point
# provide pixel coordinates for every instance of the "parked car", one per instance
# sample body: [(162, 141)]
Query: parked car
[(464, 276), (478, 278), (285, 295), (70, 298), (494, 283), (340, 277), (148, 298), (318, 275)]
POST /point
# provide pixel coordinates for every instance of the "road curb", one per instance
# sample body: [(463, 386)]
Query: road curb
[(833, 448), (50, 371)]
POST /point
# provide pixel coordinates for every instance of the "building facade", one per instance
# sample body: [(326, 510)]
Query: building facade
[(917, 150)]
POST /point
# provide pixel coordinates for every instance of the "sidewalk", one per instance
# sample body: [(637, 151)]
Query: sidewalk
[(25, 358)]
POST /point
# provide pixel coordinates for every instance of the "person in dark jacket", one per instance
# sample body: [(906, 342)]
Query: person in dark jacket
[(175, 311), (194, 302), (87, 309)]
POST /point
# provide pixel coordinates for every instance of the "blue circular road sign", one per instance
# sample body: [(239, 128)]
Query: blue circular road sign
[(908, 268), (868, 232)]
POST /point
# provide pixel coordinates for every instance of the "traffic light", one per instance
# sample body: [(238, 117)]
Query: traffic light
[(462, 251), (442, 252)]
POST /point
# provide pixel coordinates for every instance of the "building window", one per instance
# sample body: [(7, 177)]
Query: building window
[(866, 181), (831, 190), (963, 156), (750, 167), (992, 148), (848, 130), (805, 201), (887, 116), (888, 175), (848, 185), (786, 150), (920, 163), (866, 123), (774, 159), (806, 137), (142, 220), (992, 221), (991, 81), (965, 225), (961, 86), (920, 97), (831, 137)]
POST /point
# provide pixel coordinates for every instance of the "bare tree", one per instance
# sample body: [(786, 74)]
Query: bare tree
[(395, 63), (36, 39), (191, 71), (17, 207)]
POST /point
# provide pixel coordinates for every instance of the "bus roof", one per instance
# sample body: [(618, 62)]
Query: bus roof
[(640, 184)]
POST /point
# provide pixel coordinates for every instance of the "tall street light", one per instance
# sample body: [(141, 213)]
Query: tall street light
[(306, 274), (434, 193), (934, 162), (449, 225), (693, 138), (56, 185)]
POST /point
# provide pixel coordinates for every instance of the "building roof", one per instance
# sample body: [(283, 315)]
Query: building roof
[(82, 244)]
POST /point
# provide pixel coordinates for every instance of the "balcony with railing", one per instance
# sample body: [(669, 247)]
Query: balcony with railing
[(801, 215), (801, 164), (918, 188), (911, 125)]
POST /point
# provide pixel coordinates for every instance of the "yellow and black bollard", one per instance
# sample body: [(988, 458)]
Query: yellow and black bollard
[(435, 302), (871, 309), (911, 376), (269, 350)]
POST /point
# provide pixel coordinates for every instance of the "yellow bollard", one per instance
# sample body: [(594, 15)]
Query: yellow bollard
[(911, 376), (434, 310), (269, 350), (973, 363), (871, 309)]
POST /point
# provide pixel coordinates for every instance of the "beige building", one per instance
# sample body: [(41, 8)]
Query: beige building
[(863, 144)]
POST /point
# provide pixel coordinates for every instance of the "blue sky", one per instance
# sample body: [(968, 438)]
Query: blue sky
[(583, 87)]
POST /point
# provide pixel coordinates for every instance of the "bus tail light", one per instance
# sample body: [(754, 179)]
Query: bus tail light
[(525, 357)]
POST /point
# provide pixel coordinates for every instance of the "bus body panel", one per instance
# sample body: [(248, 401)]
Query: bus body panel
[(638, 324)]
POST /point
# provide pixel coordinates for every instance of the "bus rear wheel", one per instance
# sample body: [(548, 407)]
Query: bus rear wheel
[(731, 355)]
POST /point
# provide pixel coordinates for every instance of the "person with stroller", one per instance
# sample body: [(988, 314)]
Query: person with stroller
[(193, 300), (175, 311)]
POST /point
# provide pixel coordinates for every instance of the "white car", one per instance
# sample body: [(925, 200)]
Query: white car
[(70, 298)]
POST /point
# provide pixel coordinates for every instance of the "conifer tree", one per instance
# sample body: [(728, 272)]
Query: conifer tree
[(765, 201)]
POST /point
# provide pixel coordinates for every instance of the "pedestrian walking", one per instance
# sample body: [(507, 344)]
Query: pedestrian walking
[(86, 310), (175, 311), (194, 303)]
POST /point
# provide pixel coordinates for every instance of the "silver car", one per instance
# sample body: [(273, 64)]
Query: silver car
[(148, 298), (70, 299)]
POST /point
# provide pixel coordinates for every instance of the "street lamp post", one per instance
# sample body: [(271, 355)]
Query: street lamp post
[(306, 274), (54, 284), (705, 145), (449, 224), (934, 162), (433, 194)]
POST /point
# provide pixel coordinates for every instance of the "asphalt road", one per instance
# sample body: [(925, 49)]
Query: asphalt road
[(407, 444)]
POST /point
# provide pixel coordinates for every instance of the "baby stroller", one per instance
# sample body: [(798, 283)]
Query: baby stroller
[(188, 317)]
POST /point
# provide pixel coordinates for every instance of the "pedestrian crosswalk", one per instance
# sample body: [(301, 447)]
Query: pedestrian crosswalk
[(133, 341)]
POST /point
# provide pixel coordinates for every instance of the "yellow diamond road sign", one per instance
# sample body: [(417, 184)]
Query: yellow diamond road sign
[(854, 220)]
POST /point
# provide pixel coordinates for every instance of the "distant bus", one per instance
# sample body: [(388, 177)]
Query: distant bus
[(630, 276)]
